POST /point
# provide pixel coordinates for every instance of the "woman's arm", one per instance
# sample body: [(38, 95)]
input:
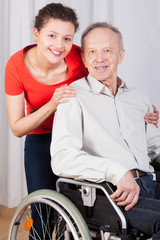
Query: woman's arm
[(21, 124)]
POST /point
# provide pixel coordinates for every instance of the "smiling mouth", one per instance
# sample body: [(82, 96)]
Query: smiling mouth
[(56, 53), (101, 68)]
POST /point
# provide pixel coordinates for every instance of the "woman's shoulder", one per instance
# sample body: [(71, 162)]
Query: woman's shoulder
[(17, 58), (75, 51)]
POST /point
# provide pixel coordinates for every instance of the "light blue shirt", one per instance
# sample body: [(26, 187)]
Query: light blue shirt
[(99, 137)]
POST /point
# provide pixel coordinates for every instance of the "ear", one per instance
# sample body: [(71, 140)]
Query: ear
[(35, 34), (121, 56)]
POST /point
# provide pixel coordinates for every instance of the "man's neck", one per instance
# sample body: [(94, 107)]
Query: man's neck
[(112, 85)]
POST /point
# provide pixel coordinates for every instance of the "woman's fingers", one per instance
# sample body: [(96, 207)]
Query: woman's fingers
[(153, 117), (64, 92), (61, 95)]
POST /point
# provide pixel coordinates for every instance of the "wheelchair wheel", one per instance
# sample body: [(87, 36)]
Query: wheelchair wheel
[(67, 222)]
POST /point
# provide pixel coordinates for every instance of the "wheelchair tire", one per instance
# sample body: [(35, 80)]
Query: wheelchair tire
[(68, 222)]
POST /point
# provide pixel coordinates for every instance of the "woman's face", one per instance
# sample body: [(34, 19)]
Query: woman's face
[(54, 40)]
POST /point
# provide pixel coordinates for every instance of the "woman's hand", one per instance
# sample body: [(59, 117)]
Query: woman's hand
[(21, 124), (61, 94), (153, 117)]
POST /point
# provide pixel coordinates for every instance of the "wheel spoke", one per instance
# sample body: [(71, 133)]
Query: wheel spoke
[(47, 209), (43, 225)]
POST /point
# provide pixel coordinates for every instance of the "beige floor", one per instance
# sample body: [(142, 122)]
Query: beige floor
[(5, 218)]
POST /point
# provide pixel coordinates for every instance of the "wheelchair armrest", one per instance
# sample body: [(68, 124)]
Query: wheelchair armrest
[(110, 188), (105, 188)]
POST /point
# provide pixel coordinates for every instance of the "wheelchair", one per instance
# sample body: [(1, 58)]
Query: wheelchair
[(79, 210)]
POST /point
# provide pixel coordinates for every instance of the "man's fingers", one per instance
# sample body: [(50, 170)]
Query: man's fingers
[(122, 197), (125, 199), (128, 200), (116, 194), (133, 202)]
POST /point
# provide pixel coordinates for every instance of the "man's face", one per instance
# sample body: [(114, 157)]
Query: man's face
[(102, 54)]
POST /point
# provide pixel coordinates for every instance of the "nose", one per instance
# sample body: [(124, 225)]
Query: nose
[(59, 43), (100, 56)]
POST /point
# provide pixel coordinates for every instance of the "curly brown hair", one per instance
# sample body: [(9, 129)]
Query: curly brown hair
[(56, 11)]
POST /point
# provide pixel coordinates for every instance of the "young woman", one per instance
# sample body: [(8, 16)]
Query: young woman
[(40, 74)]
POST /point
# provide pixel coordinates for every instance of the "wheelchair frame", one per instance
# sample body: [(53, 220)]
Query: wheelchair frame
[(68, 217), (88, 195)]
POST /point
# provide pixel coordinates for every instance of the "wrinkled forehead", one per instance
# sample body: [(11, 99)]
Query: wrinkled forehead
[(101, 37)]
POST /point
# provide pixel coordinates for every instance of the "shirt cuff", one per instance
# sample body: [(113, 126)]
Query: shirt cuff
[(115, 173)]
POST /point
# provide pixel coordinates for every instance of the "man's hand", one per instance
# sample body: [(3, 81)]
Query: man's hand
[(153, 117), (127, 192)]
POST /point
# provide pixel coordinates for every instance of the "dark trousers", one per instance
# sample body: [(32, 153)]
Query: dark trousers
[(145, 215), (39, 174), (38, 170)]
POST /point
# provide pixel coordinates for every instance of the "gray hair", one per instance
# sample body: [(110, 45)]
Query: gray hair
[(101, 25)]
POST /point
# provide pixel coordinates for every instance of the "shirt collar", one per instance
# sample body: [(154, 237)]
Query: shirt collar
[(97, 87)]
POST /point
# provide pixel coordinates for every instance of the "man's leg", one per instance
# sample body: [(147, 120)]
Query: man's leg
[(145, 215)]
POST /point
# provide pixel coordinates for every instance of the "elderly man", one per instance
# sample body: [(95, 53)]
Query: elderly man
[(101, 135)]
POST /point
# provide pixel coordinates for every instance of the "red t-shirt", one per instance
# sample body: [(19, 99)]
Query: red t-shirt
[(19, 80)]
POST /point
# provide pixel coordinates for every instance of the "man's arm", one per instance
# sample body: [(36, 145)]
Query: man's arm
[(69, 159), (127, 192)]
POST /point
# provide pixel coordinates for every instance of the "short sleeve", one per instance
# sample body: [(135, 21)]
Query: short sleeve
[(13, 85)]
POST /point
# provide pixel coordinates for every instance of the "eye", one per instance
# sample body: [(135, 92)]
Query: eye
[(52, 35), (92, 52), (107, 50), (67, 39)]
